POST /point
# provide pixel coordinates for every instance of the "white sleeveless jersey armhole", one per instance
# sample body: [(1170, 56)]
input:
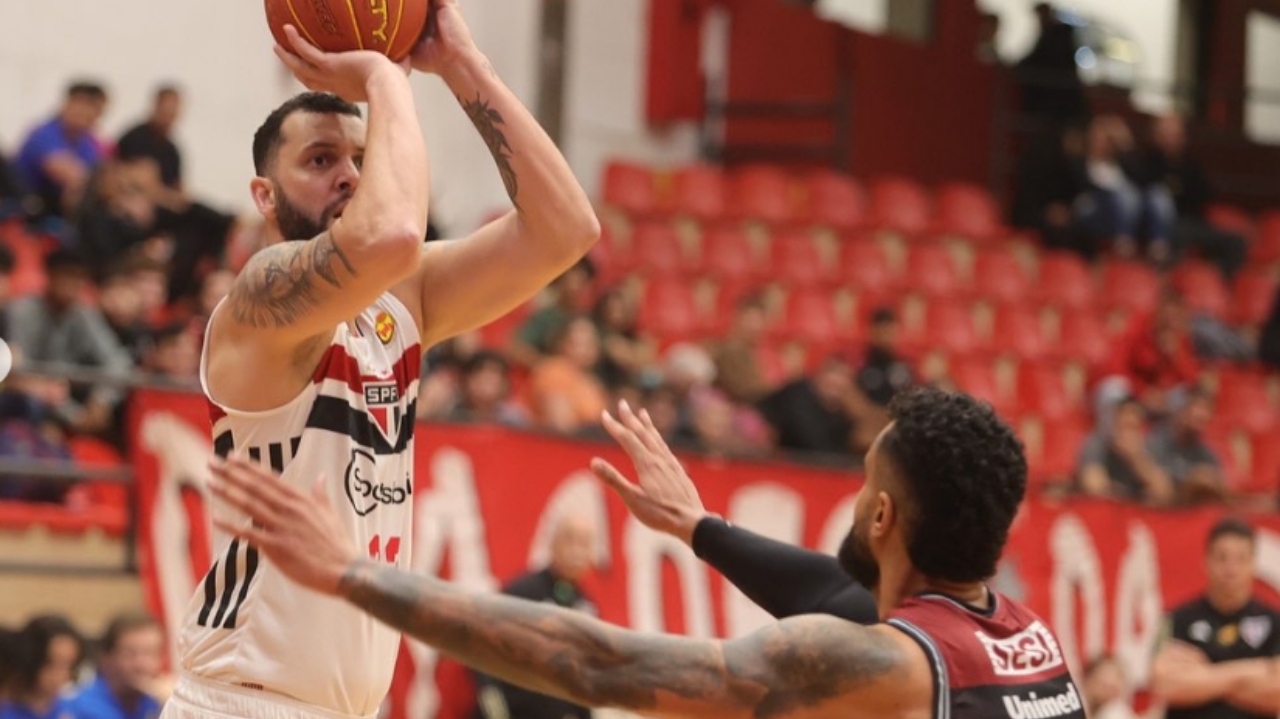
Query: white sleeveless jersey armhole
[(248, 626)]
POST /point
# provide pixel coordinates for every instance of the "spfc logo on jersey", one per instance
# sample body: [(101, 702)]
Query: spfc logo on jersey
[(1255, 630), (385, 326), (383, 400)]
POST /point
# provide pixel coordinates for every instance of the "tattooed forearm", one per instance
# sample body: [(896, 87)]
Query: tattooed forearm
[(282, 282), (566, 654), (490, 124)]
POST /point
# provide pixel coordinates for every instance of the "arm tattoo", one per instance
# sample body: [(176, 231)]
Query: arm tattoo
[(489, 122), (798, 663), (280, 284)]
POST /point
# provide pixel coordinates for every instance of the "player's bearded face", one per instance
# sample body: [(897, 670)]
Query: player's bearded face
[(856, 558), (296, 224)]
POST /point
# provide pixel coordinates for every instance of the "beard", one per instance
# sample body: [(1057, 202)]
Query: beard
[(856, 559), (294, 222)]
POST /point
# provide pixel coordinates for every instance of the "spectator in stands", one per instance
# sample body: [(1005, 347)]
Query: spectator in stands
[(129, 666), (485, 395), (1269, 335), (8, 661), (49, 652), (818, 413), (1116, 462), (13, 195), (121, 305), (1153, 357), (118, 214), (1168, 161), (1221, 652), (1049, 178), (33, 427), (566, 395), (717, 426), (152, 139), (884, 372), (1120, 205), (570, 292), (1052, 91), (1179, 449), (560, 583), (58, 157), (7, 265), (59, 328), (213, 289), (171, 354), (626, 355), (1104, 690), (738, 372)]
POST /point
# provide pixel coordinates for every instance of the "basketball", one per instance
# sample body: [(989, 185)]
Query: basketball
[(391, 27)]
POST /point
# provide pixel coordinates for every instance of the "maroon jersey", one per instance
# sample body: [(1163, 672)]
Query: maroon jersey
[(989, 664)]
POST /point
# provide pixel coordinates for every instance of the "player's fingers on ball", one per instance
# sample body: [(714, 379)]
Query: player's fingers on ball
[(300, 45)]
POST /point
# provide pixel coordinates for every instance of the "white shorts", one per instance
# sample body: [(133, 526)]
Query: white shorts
[(195, 698)]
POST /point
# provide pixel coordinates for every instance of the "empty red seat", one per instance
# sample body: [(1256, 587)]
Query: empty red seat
[(1253, 295), (1018, 332), (1266, 246), (1231, 219), (630, 187), (1243, 402), (1084, 336), (1129, 286), (949, 328), (811, 318), (1056, 455), (900, 205), (865, 266), (835, 199), (932, 271), (1001, 276), (669, 310), (656, 249), (1264, 474), (698, 191), (762, 192), (1064, 280), (967, 210), (729, 256), (1203, 287), (1042, 390), (976, 376), (797, 262)]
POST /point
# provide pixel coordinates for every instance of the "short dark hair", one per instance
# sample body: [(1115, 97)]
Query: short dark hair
[(32, 648), (1230, 527), (482, 359), (266, 141), (87, 90), (65, 261), (883, 316), (124, 624), (964, 472), (166, 90), (7, 260)]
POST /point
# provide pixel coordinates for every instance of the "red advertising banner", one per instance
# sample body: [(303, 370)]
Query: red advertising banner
[(1102, 574)]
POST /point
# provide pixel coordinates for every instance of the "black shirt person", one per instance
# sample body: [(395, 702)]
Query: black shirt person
[(1221, 657)]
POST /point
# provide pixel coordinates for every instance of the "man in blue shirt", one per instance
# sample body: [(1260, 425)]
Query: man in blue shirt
[(128, 667), (58, 157)]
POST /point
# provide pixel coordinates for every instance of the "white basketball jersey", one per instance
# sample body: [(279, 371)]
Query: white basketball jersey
[(247, 625)]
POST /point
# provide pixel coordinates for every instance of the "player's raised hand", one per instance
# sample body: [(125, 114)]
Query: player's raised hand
[(298, 532), (663, 497), (446, 41), (345, 74)]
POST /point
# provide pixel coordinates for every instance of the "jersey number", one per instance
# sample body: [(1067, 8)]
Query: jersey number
[(387, 553)]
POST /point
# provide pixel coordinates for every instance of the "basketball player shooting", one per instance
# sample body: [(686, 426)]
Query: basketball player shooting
[(943, 484), (312, 361)]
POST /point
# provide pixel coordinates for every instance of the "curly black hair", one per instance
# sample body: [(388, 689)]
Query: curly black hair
[(964, 474), (269, 137)]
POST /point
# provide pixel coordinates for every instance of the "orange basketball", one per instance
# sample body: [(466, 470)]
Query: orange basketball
[(391, 27)]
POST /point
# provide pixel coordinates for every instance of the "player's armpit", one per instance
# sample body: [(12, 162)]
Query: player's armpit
[(801, 666), (297, 290)]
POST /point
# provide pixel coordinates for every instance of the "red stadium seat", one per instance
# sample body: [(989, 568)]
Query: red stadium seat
[(630, 187), (811, 318), (1243, 402), (865, 266), (968, 210), (762, 192), (900, 205), (699, 191), (656, 249), (1065, 281), (1042, 390), (1253, 295), (932, 271), (1001, 276), (1129, 286), (977, 376), (1054, 461), (836, 200), (1084, 336), (1266, 246), (797, 262), (1231, 219), (669, 311), (1202, 286), (1017, 332), (949, 328), (1264, 474), (728, 256)]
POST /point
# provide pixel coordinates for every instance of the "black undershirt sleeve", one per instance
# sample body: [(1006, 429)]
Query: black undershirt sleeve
[(783, 579)]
